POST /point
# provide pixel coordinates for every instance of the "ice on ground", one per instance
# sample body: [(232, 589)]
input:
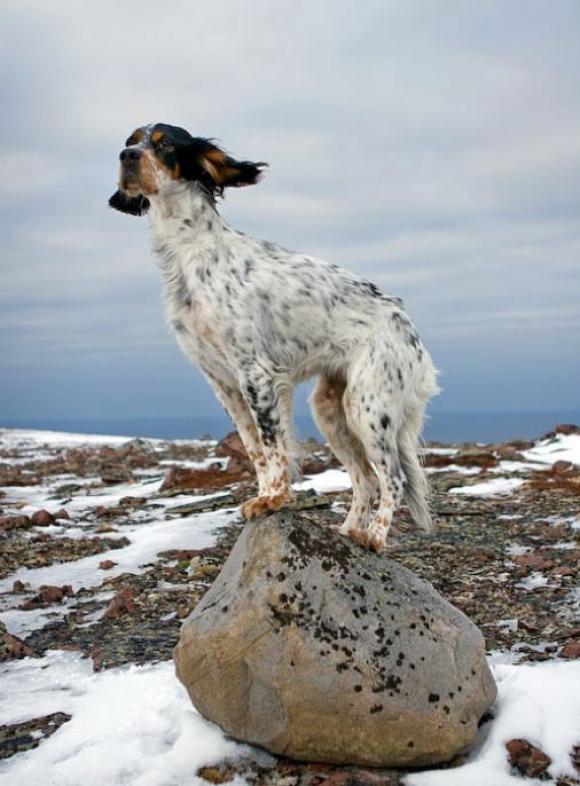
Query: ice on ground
[(440, 451), (562, 447), (489, 488), (539, 703), (22, 622), (456, 468), (130, 725), (29, 438), (33, 439), (516, 550), (211, 461), (535, 580), (327, 481), (31, 498), (517, 466), (147, 540)]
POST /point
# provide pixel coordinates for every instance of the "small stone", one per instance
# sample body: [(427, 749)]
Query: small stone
[(51, 594), (11, 647), (122, 603), (216, 774), (231, 447), (111, 476), (132, 502), (562, 466), (62, 514), (527, 759), (186, 479), (107, 564), (567, 428), (15, 522), (42, 518), (571, 651), (533, 562)]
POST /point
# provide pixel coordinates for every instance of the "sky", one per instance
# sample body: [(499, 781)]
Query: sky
[(432, 147)]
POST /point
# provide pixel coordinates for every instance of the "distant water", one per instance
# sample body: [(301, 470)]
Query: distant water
[(441, 426)]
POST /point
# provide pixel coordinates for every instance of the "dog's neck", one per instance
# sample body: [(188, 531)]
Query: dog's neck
[(186, 226), (182, 201)]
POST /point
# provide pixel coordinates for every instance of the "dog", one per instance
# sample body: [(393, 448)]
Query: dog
[(258, 319)]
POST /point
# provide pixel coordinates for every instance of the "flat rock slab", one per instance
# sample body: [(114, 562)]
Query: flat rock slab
[(313, 648)]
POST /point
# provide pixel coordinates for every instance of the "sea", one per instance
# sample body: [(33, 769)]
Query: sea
[(441, 426)]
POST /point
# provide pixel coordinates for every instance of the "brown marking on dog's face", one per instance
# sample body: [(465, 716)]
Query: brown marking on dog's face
[(144, 180), (157, 160), (135, 137)]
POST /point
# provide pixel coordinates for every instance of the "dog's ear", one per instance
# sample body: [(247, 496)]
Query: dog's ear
[(222, 170), (134, 206)]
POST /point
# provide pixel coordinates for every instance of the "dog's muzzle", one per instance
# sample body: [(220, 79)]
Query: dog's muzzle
[(130, 159)]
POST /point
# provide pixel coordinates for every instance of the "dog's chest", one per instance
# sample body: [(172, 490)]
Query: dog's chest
[(194, 318)]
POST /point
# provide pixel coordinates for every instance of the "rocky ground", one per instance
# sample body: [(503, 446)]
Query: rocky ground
[(105, 546)]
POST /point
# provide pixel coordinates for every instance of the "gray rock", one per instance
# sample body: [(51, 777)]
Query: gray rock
[(313, 648)]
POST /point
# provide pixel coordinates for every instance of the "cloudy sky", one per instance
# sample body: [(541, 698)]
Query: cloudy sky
[(432, 147)]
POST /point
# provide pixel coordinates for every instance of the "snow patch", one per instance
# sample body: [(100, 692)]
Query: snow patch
[(562, 447), (147, 540), (130, 725), (535, 580), (456, 468), (31, 438), (539, 703), (489, 488), (324, 482)]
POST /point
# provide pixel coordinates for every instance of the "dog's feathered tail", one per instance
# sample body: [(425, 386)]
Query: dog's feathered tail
[(408, 442)]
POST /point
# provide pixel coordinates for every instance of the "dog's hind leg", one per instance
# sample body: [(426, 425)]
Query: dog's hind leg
[(329, 414), (374, 411)]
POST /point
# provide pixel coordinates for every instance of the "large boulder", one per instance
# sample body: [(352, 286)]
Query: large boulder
[(313, 648)]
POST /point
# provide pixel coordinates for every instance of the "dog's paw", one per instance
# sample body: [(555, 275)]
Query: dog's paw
[(373, 541), (261, 506)]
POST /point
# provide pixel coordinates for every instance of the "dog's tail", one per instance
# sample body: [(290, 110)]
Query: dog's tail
[(408, 440)]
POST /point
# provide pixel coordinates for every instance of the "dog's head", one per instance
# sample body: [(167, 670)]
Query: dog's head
[(156, 156)]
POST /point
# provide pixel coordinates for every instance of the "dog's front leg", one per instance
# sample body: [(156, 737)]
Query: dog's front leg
[(268, 411)]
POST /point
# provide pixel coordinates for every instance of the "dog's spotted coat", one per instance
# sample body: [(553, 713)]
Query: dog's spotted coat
[(258, 319)]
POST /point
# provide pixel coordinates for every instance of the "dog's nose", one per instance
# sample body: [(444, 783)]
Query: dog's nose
[(130, 154)]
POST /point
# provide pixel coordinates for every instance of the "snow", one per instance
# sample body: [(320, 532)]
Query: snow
[(147, 540), (135, 725), (22, 623), (440, 451), (130, 725), (539, 703), (489, 488), (456, 468), (30, 438), (517, 466), (32, 498), (562, 447), (329, 480), (535, 580)]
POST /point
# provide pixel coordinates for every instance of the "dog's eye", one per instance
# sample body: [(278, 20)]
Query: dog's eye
[(163, 144)]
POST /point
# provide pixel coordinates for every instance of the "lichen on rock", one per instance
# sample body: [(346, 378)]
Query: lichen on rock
[(313, 648)]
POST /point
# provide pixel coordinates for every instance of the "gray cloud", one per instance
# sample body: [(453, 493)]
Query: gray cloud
[(432, 148)]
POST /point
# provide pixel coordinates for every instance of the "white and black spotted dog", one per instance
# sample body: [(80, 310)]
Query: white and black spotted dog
[(258, 319)]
